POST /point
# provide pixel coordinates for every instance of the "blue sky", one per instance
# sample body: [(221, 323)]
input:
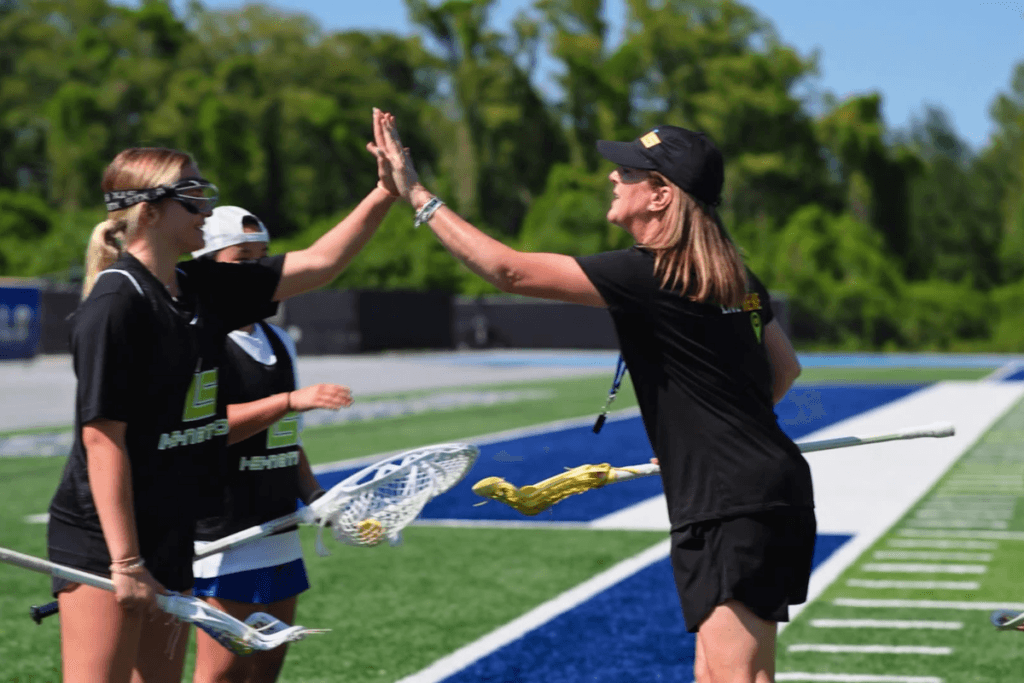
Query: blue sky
[(954, 54)]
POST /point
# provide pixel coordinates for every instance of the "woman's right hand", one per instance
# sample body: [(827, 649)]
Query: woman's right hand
[(329, 396), (137, 590)]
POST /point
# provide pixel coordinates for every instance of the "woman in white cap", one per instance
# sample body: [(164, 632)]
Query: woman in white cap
[(147, 344), (266, 469), (708, 363)]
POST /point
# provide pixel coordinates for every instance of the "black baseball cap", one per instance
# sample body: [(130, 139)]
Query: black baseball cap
[(690, 160)]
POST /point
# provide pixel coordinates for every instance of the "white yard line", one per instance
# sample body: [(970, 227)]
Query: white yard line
[(928, 513), (853, 678), (1002, 372), (928, 604), (464, 656), (888, 623), (914, 585), (956, 524), (921, 568), (942, 543), (871, 649), (934, 556), (960, 533)]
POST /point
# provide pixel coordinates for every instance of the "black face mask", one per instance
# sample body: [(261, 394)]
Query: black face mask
[(195, 195)]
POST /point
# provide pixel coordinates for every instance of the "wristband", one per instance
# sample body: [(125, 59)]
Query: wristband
[(426, 212), (288, 399)]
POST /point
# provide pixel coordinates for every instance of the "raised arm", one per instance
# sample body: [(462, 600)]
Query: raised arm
[(546, 276), (322, 261)]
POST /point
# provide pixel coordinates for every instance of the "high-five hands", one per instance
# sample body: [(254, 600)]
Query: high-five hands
[(393, 160)]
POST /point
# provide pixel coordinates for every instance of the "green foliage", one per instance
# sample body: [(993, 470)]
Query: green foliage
[(569, 218), (842, 289), (857, 222)]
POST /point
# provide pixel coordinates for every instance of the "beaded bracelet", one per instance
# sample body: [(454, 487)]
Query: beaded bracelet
[(127, 566)]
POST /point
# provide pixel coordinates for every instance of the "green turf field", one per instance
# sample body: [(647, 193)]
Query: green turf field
[(446, 587), (971, 518), (889, 375)]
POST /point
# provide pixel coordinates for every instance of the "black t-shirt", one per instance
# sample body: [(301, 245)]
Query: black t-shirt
[(262, 480), (703, 382), (146, 359)]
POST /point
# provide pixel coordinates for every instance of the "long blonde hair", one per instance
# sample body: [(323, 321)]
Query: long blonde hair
[(136, 168), (695, 253)]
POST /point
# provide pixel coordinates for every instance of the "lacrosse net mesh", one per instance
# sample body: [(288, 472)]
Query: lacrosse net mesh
[(452, 462), (376, 503)]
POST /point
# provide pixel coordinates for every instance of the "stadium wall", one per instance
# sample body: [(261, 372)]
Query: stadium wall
[(329, 322)]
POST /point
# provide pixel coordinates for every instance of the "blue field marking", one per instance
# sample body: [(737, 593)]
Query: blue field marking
[(529, 459), (632, 632), (1014, 377)]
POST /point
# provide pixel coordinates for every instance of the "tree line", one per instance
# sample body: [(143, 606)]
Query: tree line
[(881, 238)]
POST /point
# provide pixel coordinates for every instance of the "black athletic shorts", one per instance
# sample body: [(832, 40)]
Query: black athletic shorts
[(86, 550), (763, 560)]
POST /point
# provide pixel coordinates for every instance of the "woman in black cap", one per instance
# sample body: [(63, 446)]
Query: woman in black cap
[(708, 363)]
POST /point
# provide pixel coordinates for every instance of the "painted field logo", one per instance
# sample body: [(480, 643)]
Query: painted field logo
[(284, 433), (201, 399)]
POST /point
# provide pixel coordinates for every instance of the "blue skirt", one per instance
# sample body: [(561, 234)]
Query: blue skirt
[(256, 586)]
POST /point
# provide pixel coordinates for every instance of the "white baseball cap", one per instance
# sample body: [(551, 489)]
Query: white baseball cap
[(226, 227)]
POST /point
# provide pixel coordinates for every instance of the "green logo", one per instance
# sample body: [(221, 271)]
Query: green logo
[(284, 432), (755, 322), (201, 400)]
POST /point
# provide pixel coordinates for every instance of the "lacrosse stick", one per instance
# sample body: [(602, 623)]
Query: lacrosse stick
[(373, 504), (40, 612), (531, 500), (259, 631), (1006, 620)]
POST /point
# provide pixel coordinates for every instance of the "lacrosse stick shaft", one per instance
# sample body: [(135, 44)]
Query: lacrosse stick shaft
[(42, 566), (254, 532), (40, 612), (37, 564), (937, 430)]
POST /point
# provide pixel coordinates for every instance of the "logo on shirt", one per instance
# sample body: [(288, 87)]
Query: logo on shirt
[(284, 432), (268, 462), (755, 322), (201, 398), (752, 302)]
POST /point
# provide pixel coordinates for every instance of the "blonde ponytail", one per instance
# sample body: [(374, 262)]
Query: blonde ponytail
[(105, 247)]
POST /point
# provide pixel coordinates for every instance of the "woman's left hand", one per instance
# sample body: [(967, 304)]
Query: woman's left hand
[(393, 160)]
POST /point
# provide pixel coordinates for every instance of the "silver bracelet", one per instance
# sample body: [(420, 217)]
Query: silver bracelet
[(426, 212)]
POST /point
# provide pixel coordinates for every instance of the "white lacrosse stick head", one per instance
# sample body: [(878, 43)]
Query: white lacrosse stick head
[(260, 631), (376, 503)]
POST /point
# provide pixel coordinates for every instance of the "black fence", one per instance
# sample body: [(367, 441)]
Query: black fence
[(330, 322)]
